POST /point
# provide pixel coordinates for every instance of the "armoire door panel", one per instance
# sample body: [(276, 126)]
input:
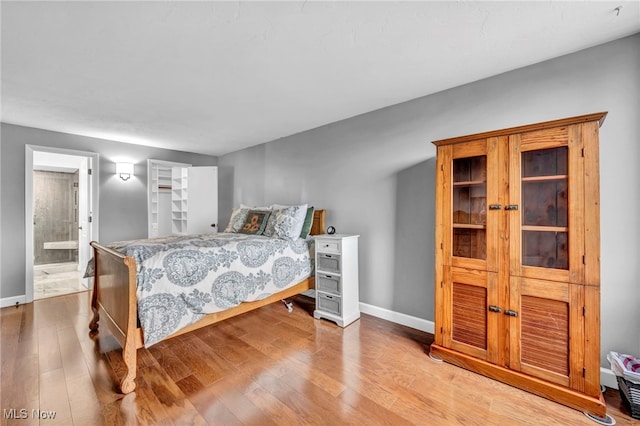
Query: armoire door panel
[(548, 314), (469, 207), (469, 318), (466, 299), (544, 334), (470, 219), (546, 231), (472, 328)]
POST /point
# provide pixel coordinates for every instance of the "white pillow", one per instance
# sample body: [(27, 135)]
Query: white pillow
[(286, 222)]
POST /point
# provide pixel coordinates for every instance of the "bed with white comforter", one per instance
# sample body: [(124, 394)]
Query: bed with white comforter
[(180, 279)]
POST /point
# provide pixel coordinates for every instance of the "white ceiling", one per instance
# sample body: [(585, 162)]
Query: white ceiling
[(215, 77)]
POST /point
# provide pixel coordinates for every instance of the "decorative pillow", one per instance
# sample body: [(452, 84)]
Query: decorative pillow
[(308, 221), (286, 222), (238, 216), (255, 222)]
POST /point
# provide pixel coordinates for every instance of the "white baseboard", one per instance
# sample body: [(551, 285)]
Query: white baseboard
[(607, 378), (12, 301), (398, 318)]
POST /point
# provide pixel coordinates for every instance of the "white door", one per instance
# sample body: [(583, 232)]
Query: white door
[(85, 218), (202, 200)]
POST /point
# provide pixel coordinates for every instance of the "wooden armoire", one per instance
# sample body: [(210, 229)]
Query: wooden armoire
[(517, 281)]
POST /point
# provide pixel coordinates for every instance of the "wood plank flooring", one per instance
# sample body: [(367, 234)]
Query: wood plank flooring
[(266, 367)]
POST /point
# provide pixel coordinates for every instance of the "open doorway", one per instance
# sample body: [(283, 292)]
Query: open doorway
[(55, 229), (60, 206)]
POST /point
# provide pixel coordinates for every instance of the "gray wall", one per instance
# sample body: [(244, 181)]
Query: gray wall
[(122, 206), (374, 173)]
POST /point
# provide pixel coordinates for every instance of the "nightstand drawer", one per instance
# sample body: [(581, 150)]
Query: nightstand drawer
[(329, 283), (328, 263), (329, 303), (328, 246)]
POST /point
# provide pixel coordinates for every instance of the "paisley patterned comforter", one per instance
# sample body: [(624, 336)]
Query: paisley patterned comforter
[(180, 279)]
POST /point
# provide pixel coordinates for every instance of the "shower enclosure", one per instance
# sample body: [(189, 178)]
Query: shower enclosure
[(55, 218)]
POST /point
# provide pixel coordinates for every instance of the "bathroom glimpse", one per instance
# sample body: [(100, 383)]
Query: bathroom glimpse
[(55, 226)]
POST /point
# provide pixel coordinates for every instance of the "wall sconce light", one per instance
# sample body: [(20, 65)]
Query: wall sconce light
[(124, 170)]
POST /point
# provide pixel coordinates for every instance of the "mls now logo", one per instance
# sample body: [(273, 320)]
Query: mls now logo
[(23, 413)]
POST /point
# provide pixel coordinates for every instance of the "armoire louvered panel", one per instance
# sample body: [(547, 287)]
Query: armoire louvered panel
[(470, 315), (545, 334)]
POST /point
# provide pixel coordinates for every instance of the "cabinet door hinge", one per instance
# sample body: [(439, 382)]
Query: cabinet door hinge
[(584, 311), (441, 246), (89, 172), (584, 262), (584, 372), (441, 330), (441, 284), (442, 167), (583, 152)]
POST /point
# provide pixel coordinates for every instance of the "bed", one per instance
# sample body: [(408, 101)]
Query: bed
[(115, 301)]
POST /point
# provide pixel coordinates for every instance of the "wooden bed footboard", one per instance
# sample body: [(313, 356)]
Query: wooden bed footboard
[(114, 302)]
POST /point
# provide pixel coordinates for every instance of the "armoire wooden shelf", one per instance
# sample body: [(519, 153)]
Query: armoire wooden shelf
[(517, 281)]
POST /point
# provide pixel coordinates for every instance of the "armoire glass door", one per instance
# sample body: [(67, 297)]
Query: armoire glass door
[(470, 207), (545, 216)]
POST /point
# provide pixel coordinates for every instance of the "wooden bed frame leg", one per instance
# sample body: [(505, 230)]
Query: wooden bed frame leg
[(129, 355), (93, 325)]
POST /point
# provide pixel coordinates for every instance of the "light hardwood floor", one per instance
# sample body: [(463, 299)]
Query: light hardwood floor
[(262, 368)]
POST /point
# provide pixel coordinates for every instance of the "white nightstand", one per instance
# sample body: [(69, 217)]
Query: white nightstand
[(337, 294)]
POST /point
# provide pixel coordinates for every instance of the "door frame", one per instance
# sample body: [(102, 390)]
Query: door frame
[(93, 189)]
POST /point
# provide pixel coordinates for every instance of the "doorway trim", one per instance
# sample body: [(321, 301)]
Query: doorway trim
[(93, 163)]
